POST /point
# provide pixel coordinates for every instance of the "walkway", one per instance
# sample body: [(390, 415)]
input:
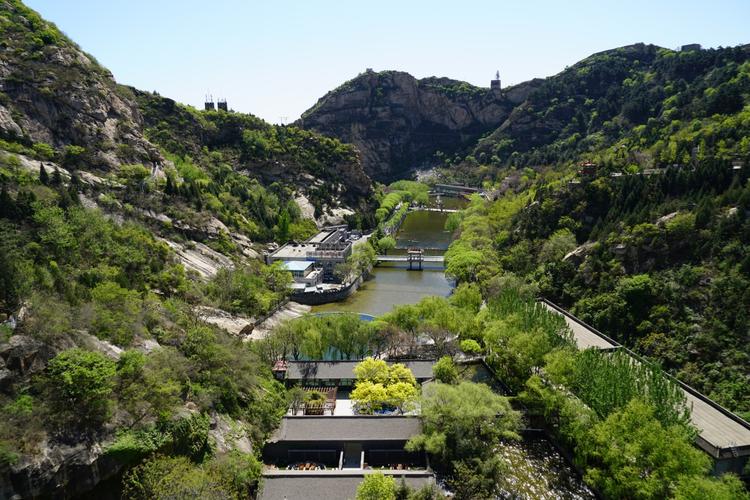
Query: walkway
[(403, 258), (433, 209), (722, 434)]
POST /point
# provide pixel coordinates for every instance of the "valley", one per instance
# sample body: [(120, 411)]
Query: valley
[(196, 303)]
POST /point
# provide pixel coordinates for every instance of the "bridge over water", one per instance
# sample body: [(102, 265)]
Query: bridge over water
[(405, 258), (722, 434), (433, 209)]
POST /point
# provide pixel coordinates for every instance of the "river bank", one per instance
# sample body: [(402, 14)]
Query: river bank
[(392, 284)]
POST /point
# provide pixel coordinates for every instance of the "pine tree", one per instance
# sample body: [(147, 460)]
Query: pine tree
[(24, 202), (43, 177), (7, 206), (64, 202), (169, 188), (73, 187), (56, 177)]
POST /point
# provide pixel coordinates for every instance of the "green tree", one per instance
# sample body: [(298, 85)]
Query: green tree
[(554, 249), (462, 263), (445, 370), (363, 257), (470, 346), (633, 456), (377, 486), (462, 426), (79, 386), (163, 478), (463, 421), (386, 243), (379, 385), (283, 226), (44, 150), (116, 313), (467, 296), (43, 176), (402, 396), (453, 222), (372, 370), (369, 397), (727, 487)]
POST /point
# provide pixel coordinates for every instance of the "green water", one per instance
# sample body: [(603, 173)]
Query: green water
[(394, 284), (391, 285), (423, 229), (452, 202)]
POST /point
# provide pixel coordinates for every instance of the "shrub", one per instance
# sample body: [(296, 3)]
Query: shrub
[(377, 487), (445, 370), (79, 385)]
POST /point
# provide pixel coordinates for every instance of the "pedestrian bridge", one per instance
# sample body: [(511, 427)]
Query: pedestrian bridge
[(405, 258)]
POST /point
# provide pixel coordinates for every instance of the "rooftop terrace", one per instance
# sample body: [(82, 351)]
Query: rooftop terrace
[(337, 370), (346, 428)]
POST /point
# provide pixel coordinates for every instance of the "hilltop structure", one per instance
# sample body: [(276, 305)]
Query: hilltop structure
[(495, 84)]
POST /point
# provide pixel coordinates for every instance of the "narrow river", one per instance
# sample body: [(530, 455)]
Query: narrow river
[(394, 284)]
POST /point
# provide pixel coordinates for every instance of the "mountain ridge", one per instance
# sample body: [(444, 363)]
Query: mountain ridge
[(411, 119)]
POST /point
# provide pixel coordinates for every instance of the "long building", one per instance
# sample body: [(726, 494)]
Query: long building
[(722, 434)]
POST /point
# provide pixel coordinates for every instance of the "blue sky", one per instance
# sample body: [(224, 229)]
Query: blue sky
[(275, 58)]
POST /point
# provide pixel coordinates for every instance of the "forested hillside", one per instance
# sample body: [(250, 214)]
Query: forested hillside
[(651, 243), (637, 107), (124, 217)]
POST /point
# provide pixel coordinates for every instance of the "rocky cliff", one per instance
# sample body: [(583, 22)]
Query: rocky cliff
[(399, 122), (53, 93)]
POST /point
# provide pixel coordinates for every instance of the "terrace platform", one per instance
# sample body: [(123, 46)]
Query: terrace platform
[(329, 484)]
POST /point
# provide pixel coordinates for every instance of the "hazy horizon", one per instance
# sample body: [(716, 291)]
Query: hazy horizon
[(276, 60)]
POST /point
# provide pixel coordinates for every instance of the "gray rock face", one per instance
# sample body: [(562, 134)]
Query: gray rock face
[(64, 470), (24, 356), (399, 123), (58, 95)]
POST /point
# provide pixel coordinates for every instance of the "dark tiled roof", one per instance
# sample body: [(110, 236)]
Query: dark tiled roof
[(346, 428), (335, 486), (319, 370)]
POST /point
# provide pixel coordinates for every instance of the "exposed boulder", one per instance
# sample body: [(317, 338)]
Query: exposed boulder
[(200, 258), (234, 324), (578, 255), (229, 435)]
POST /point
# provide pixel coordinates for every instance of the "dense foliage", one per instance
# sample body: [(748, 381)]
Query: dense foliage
[(249, 171), (462, 427), (106, 312), (383, 387)]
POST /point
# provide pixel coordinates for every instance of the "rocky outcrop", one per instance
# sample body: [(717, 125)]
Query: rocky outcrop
[(52, 92), (289, 311), (399, 123), (234, 324), (66, 470), (22, 357), (199, 258)]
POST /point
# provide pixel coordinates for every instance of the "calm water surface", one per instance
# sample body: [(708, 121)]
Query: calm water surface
[(389, 286), (394, 284)]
